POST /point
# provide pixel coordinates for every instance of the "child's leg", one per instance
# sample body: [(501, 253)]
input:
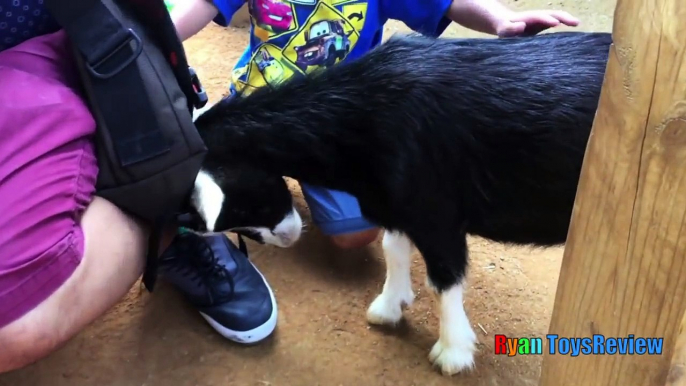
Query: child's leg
[(338, 215)]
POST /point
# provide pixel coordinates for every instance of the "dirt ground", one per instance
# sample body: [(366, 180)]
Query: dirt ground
[(322, 336)]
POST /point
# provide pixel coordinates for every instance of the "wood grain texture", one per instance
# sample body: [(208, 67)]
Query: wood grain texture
[(624, 266)]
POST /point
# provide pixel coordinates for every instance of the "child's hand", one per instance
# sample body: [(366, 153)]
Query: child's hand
[(532, 22)]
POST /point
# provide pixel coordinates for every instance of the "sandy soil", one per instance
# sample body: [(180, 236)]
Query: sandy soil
[(322, 336)]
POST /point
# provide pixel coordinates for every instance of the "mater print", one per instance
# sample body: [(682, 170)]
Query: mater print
[(325, 42), (324, 39)]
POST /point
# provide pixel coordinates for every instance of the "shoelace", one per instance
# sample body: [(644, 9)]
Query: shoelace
[(199, 261)]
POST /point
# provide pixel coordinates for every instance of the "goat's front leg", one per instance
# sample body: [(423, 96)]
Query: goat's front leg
[(446, 265), (397, 292)]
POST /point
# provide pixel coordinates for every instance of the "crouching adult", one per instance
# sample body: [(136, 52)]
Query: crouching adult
[(67, 256)]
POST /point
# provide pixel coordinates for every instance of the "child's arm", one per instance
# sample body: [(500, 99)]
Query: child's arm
[(191, 16), (490, 16), (431, 17)]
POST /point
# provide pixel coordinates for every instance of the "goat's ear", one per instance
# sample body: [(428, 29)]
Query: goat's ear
[(207, 199)]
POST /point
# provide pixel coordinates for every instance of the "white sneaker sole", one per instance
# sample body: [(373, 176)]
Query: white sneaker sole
[(256, 334)]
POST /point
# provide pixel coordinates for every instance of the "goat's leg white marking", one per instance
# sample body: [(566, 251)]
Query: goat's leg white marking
[(397, 292), (456, 344)]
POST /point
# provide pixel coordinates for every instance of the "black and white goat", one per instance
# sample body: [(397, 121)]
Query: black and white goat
[(250, 201), (437, 138)]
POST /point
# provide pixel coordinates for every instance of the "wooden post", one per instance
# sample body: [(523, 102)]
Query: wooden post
[(624, 266), (677, 371)]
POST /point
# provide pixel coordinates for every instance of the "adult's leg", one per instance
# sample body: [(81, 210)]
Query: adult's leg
[(112, 260), (65, 257), (339, 217)]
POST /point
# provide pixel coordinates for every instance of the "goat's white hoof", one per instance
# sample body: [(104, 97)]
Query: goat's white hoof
[(452, 359), (389, 310)]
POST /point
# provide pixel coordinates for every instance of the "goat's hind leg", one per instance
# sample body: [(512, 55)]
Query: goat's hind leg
[(446, 264), (397, 292)]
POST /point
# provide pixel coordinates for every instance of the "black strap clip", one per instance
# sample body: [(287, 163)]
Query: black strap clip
[(126, 40), (200, 94)]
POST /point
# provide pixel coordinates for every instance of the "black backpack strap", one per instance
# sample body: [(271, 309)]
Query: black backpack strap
[(107, 52), (151, 264), (241, 245), (108, 48), (154, 13)]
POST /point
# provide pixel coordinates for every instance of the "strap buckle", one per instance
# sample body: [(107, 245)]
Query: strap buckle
[(128, 37), (200, 94)]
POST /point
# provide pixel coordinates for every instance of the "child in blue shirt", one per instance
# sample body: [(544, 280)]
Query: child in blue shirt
[(294, 37)]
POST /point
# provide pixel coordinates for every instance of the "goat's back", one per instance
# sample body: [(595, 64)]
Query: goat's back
[(509, 122)]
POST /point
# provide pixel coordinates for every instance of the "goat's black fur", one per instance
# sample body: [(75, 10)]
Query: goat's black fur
[(437, 138)]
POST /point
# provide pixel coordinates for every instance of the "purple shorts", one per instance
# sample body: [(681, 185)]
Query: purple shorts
[(47, 172)]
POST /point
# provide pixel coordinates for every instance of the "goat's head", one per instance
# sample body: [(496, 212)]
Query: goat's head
[(247, 201)]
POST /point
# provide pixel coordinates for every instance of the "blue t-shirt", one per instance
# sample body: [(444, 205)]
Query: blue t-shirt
[(289, 37), (21, 20)]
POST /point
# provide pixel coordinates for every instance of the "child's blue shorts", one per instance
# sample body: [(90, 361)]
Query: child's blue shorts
[(334, 212)]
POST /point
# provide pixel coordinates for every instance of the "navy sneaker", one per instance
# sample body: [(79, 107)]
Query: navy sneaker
[(220, 281)]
